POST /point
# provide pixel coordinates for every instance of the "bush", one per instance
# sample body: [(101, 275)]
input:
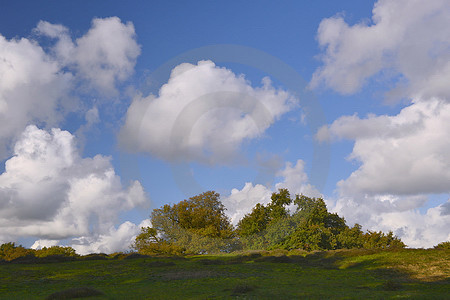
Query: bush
[(198, 225), (443, 245), (10, 251), (379, 240), (56, 250), (95, 256)]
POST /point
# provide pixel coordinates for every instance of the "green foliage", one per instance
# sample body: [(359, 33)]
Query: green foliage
[(56, 250), (203, 215), (443, 245), (199, 225), (312, 237), (350, 238), (148, 243), (254, 222), (196, 225), (379, 240), (310, 227), (277, 207), (10, 251)]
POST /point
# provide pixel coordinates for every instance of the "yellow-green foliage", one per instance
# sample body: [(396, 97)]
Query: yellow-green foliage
[(196, 225), (311, 227), (199, 225), (55, 250), (148, 243), (10, 251)]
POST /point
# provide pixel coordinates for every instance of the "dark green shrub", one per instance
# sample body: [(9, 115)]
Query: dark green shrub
[(95, 256)]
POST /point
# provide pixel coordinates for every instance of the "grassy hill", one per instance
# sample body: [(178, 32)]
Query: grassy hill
[(406, 273)]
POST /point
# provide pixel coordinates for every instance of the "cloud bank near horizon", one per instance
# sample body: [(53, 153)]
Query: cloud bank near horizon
[(48, 191)]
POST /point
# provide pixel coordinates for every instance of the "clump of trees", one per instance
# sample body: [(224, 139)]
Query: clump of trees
[(195, 225), (199, 225), (11, 251), (309, 227)]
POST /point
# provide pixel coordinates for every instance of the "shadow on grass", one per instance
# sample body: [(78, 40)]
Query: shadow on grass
[(352, 271), (242, 288), (31, 259), (78, 292)]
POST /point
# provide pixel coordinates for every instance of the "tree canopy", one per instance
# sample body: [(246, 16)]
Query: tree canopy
[(196, 225), (309, 226), (200, 225)]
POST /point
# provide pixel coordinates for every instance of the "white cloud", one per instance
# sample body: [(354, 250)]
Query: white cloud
[(296, 180), (32, 86), (39, 244), (50, 192), (241, 202), (403, 159), (402, 154), (407, 38), (104, 56), (113, 240), (203, 113), (37, 86), (398, 214)]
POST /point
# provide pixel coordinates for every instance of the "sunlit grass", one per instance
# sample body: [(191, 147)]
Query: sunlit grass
[(246, 275)]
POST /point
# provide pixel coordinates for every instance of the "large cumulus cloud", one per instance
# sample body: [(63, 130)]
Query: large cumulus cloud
[(104, 56), (40, 85), (401, 154), (407, 40), (50, 192), (32, 87), (399, 214), (203, 113), (402, 159)]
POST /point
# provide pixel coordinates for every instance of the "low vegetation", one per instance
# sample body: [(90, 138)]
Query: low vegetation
[(276, 274), (11, 251)]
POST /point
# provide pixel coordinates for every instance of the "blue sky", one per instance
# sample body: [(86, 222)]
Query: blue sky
[(112, 108)]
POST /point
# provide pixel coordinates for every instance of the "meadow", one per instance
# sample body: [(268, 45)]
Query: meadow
[(341, 274)]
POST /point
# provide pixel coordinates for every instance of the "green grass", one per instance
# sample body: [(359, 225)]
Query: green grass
[(351, 274)]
